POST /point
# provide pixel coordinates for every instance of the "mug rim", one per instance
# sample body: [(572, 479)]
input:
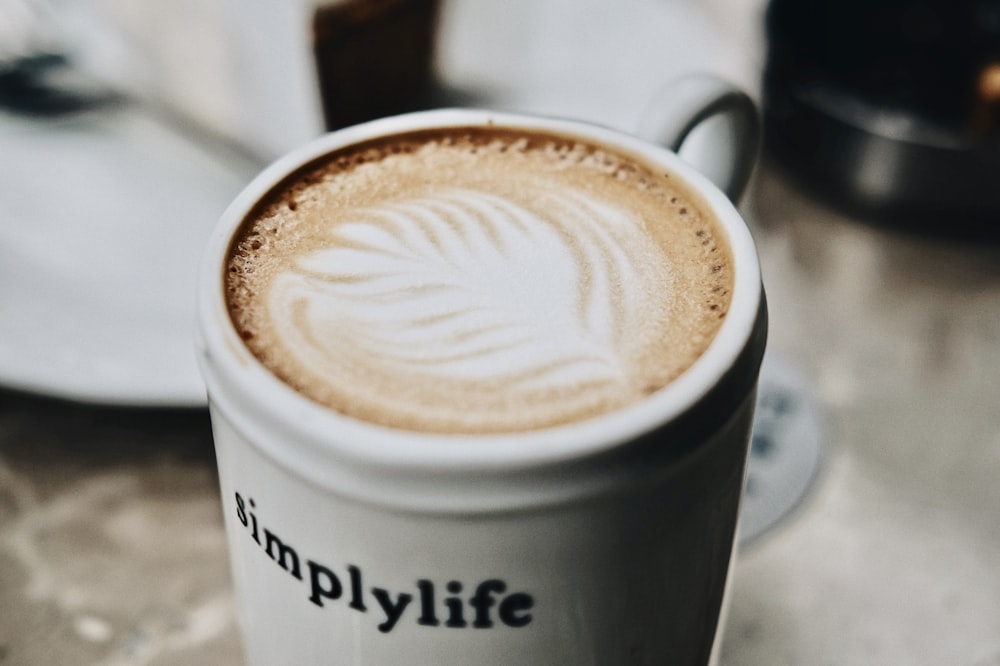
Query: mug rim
[(269, 411)]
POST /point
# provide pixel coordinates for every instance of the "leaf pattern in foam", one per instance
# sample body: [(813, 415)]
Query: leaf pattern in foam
[(473, 288)]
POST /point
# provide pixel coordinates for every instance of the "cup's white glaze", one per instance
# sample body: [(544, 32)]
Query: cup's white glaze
[(605, 541)]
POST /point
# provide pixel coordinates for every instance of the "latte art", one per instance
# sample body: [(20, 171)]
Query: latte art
[(475, 292), (434, 287)]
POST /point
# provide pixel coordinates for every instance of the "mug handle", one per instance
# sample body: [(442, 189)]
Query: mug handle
[(726, 145)]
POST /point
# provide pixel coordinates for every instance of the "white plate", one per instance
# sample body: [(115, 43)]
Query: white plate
[(103, 216)]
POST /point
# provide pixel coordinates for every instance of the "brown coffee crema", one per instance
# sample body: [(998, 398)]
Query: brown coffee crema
[(478, 280)]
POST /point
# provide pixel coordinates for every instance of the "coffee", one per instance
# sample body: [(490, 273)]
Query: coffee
[(477, 280)]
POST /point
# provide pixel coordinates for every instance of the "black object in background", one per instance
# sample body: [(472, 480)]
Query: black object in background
[(889, 108)]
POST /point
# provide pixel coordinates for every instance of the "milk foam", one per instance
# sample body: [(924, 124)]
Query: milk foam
[(476, 286)]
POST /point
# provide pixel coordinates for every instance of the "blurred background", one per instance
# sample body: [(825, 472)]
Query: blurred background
[(871, 531)]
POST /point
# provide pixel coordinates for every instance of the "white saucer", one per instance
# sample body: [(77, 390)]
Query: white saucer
[(103, 216), (786, 448)]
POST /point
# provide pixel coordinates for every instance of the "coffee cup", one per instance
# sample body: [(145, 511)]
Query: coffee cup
[(481, 387)]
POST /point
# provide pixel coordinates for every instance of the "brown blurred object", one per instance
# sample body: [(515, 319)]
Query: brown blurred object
[(987, 106), (373, 57)]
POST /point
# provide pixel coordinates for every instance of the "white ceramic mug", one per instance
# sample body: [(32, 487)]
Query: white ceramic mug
[(604, 541)]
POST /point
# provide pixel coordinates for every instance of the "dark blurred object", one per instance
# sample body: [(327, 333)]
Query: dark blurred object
[(373, 57), (890, 108), (45, 84)]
